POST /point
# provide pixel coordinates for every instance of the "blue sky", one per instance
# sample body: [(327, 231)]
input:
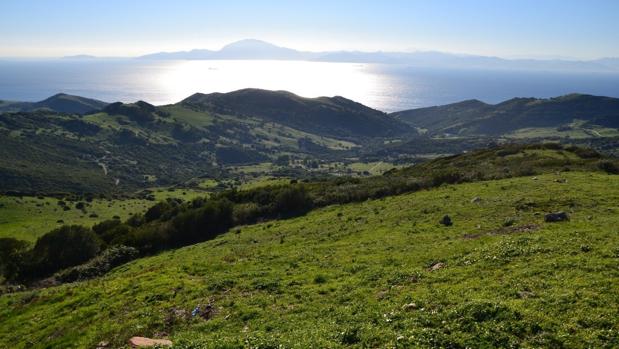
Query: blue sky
[(506, 28)]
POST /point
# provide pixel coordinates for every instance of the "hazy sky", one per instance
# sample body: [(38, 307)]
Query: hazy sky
[(508, 28)]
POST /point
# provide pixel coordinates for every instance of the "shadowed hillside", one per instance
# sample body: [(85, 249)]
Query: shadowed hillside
[(335, 117), (62, 103), (477, 118)]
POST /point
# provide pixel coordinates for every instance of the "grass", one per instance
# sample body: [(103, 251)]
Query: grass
[(358, 275), (577, 131), (373, 168), (28, 217)]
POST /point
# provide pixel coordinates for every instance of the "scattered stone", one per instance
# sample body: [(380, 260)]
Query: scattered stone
[(409, 306), (534, 178), (141, 342), (475, 200), (556, 217), (176, 315), (446, 221), (525, 294), (437, 266), (103, 344), (382, 294)]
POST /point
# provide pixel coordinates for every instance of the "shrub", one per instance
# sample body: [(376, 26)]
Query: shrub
[(245, 213), (214, 218), (292, 200), (102, 227), (446, 177), (163, 210), (99, 265), (12, 253), (61, 248), (608, 167)]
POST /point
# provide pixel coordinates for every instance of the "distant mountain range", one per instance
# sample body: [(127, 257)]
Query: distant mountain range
[(256, 50)]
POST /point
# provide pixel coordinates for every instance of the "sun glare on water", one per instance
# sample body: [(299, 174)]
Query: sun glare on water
[(308, 79)]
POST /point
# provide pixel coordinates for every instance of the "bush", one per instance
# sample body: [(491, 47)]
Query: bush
[(163, 210), (64, 247), (291, 201), (12, 253), (99, 265), (608, 167), (102, 227), (446, 177), (212, 219), (245, 213)]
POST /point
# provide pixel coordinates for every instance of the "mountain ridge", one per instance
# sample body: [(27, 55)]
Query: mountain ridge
[(60, 102), (259, 50), (470, 117)]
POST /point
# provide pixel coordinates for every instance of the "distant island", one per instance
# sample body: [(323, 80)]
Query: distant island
[(251, 49)]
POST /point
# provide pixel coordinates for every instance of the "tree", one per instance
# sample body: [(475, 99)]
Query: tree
[(64, 247), (11, 257)]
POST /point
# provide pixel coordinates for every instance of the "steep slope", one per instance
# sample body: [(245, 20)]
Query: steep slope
[(443, 117), (476, 118), (381, 273), (334, 117), (61, 103)]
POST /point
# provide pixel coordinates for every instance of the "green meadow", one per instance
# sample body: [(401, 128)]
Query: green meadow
[(382, 273)]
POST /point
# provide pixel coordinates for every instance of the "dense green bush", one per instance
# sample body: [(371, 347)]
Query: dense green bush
[(99, 265), (204, 223), (61, 248), (12, 253), (163, 210), (608, 167)]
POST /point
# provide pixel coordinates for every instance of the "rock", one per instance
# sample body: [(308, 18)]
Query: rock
[(409, 306), (446, 221), (534, 178), (525, 294), (141, 342), (103, 344), (475, 200), (556, 217), (437, 266)]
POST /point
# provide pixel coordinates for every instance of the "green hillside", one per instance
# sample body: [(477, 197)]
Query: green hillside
[(334, 117), (366, 275), (562, 114), (126, 147), (61, 103)]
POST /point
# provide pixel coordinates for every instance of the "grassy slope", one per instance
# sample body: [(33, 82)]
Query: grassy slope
[(342, 274), (28, 217)]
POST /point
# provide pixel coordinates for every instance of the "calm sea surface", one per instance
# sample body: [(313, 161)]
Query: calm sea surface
[(385, 87)]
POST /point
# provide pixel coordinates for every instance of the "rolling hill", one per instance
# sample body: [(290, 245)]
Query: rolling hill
[(478, 118), (333, 117), (61, 102), (127, 146)]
